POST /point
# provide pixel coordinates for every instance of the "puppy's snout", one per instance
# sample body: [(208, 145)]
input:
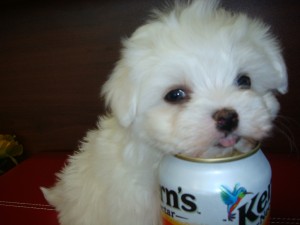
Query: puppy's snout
[(226, 120)]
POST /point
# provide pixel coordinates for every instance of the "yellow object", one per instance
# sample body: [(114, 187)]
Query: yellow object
[(10, 148)]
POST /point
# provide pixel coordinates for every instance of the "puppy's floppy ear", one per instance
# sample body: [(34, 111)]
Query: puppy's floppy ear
[(121, 95), (280, 67), (273, 51)]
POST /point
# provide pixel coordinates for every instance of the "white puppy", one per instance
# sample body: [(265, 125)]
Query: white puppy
[(196, 80)]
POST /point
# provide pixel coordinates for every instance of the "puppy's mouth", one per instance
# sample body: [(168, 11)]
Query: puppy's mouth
[(228, 140)]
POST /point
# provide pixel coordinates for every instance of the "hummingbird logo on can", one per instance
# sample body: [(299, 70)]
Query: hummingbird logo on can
[(232, 198)]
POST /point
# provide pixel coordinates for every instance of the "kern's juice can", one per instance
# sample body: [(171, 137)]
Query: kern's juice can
[(224, 191)]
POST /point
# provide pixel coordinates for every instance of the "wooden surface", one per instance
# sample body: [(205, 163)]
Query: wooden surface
[(55, 55)]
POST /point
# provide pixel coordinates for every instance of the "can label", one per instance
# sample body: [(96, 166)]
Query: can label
[(201, 199)]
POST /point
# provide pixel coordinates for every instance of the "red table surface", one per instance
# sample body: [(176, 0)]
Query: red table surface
[(21, 201)]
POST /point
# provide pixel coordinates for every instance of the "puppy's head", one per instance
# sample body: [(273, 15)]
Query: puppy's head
[(198, 80)]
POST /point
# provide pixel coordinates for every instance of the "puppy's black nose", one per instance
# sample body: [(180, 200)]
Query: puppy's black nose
[(226, 120)]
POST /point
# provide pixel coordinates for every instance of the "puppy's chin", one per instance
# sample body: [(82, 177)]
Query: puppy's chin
[(241, 146)]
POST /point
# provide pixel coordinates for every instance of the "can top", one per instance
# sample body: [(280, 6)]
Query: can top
[(221, 159)]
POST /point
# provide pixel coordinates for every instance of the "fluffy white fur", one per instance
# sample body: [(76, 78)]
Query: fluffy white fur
[(197, 46)]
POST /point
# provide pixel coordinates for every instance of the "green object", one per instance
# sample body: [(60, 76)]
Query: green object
[(10, 148)]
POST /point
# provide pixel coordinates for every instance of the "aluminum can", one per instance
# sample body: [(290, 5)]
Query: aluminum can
[(223, 191)]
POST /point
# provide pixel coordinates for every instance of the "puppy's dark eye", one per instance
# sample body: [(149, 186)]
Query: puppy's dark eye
[(243, 81), (176, 96)]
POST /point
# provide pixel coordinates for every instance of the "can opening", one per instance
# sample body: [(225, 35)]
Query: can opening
[(236, 156)]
